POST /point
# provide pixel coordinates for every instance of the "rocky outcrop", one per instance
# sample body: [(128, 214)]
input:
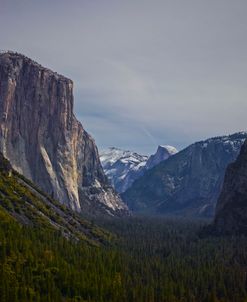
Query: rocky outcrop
[(189, 182), (231, 210), (43, 140)]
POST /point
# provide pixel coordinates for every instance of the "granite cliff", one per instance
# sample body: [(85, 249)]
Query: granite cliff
[(43, 140), (231, 210), (162, 153), (21, 201)]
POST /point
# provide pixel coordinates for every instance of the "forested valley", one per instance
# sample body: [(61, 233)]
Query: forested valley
[(147, 260)]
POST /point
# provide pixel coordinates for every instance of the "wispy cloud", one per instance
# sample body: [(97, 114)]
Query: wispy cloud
[(145, 72)]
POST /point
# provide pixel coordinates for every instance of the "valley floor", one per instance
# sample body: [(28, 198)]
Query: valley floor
[(148, 260)]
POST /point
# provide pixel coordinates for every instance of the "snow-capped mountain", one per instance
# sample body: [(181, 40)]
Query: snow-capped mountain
[(162, 153), (122, 167)]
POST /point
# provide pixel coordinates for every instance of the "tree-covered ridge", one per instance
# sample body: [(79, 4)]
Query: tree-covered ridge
[(30, 206), (42, 265)]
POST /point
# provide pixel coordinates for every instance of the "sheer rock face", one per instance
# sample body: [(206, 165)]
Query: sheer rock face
[(43, 140), (231, 210), (162, 153)]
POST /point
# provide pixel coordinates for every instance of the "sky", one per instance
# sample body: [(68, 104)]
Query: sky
[(145, 73)]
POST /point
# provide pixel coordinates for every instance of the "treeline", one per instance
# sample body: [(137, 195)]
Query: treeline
[(166, 260), (38, 265), (153, 260)]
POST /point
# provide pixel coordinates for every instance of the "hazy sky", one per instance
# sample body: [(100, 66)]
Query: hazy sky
[(145, 72)]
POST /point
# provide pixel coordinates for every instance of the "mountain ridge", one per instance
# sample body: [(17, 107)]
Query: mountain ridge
[(123, 167), (187, 183)]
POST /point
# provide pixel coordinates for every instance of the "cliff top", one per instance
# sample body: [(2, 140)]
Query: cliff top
[(11, 55)]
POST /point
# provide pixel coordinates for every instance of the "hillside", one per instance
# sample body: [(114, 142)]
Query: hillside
[(28, 205)]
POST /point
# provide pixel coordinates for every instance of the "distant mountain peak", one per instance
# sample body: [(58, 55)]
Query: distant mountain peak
[(170, 149), (163, 152), (123, 167)]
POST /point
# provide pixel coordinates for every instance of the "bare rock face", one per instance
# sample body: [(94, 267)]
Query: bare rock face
[(43, 140), (162, 153), (231, 210)]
